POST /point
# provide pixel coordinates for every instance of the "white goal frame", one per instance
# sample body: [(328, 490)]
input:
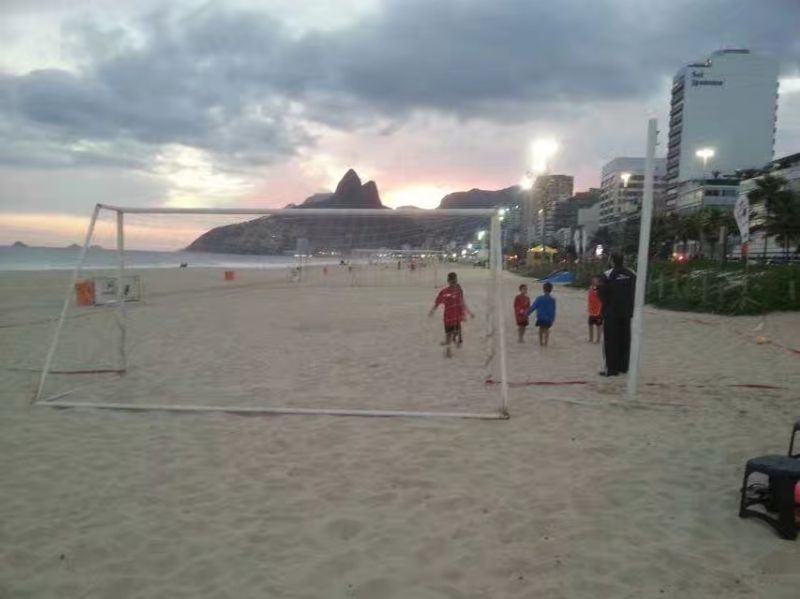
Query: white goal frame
[(495, 265)]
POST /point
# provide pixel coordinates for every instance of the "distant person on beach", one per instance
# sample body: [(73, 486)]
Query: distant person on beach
[(545, 308), (521, 304), (455, 311), (617, 291), (595, 309)]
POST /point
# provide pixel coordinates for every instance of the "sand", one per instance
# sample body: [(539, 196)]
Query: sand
[(580, 494)]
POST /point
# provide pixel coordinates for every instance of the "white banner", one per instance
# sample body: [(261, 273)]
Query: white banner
[(741, 212), (105, 289)]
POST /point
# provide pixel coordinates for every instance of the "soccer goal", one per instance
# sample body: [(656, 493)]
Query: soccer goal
[(191, 310)]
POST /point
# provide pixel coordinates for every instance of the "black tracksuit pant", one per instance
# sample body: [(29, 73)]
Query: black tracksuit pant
[(617, 343)]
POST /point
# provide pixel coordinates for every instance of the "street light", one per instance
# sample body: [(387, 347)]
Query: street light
[(526, 184), (704, 154), (541, 226), (542, 151)]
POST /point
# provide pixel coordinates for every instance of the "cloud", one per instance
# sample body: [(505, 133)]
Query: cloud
[(245, 88)]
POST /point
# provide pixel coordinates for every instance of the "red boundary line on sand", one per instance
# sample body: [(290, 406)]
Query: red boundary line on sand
[(94, 371), (537, 383), (567, 383)]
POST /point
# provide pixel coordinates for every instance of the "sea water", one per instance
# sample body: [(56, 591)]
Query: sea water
[(13, 258)]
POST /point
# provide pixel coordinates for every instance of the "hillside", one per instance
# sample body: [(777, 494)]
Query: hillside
[(280, 234)]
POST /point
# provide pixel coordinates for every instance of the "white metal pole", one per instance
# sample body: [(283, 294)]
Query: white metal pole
[(641, 267), (497, 264), (267, 410), (371, 212), (65, 306), (121, 315)]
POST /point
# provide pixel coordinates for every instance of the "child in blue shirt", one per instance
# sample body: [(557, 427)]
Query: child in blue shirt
[(545, 308)]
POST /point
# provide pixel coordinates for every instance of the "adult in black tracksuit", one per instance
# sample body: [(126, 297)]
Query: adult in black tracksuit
[(617, 292)]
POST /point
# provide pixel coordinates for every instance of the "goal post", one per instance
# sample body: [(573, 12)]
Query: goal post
[(495, 382)]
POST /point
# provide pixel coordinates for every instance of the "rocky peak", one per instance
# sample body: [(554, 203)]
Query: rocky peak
[(349, 185), (370, 198)]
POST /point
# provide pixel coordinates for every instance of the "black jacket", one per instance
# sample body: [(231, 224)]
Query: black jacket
[(617, 293)]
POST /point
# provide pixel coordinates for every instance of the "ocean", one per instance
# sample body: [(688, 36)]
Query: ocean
[(46, 258)]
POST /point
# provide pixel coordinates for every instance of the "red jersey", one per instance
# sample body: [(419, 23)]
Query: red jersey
[(595, 303), (452, 298), (521, 305)]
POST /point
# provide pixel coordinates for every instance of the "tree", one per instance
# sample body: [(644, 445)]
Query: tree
[(605, 237), (713, 220), (661, 237), (768, 193), (693, 224), (630, 235), (782, 219)]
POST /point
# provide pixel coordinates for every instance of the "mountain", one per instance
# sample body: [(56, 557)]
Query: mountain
[(481, 198), (19, 244), (280, 234)]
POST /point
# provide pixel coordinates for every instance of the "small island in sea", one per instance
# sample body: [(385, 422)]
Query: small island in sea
[(19, 244)]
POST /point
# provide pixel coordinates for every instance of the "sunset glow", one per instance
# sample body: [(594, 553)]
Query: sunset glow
[(421, 196)]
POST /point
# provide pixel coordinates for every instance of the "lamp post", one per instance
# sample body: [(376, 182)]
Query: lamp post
[(704, 154), (541, 226)]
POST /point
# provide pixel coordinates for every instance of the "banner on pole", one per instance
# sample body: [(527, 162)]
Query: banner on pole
[(741, 212)]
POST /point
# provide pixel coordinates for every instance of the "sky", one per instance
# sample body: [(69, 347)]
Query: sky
[(265, 102)]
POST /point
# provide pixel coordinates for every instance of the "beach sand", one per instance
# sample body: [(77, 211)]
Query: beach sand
[(580, 494)]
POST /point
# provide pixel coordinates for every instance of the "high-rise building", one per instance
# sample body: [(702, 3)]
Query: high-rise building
[(724, 107), (622, 188), (566, 211), (539, 212)]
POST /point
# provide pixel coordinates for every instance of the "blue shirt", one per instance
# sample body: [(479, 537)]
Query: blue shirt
[(545, 308)]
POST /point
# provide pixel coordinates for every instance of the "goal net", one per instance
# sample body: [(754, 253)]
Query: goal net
[(320, 311)]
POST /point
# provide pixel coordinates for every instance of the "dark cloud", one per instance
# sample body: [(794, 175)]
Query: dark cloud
[(238, 85)]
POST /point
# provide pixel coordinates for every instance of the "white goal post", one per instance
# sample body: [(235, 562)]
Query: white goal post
[(497, 338)]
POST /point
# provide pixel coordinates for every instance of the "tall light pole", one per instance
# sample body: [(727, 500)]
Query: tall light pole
[(704, 154), (542, 151)]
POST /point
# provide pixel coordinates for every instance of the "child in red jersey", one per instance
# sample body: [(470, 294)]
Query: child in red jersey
[(455, 310), (521, 304), (595, 309)]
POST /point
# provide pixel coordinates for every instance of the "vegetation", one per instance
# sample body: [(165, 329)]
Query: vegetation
[(775, 210), (701, 281), (728, 289), (695, 233)]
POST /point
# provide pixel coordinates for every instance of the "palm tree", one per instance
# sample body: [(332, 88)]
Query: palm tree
[(605, 237), (713, 219), (693, 226), (767, 192), (782, 219), (661, 236)]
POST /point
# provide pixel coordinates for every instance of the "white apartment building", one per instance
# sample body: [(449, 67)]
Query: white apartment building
[(727, 104), (622, 188)]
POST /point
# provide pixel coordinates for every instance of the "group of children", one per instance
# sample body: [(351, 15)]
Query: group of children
[(456, 310)]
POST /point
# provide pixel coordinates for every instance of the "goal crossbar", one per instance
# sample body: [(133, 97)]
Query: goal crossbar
[(496, 264), (487, 212)]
